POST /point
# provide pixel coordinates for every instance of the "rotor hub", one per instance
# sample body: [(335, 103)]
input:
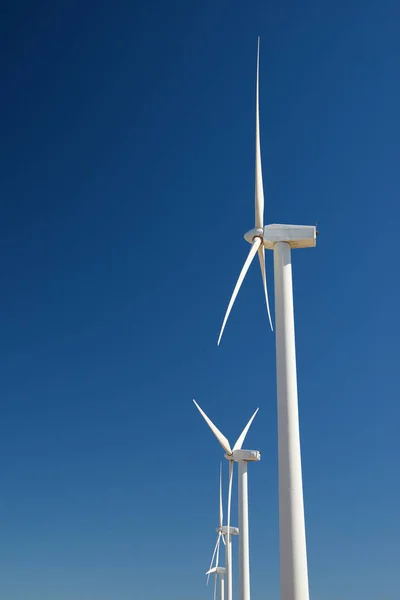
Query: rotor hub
[(253, 233)]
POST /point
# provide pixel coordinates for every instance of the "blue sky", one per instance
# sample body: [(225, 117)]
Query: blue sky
[(127, 166)]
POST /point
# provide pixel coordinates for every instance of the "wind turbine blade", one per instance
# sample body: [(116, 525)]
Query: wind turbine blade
[(254, 247), (210, 569), (240, 440), (221, 510), (220, 437), (215, 586), (261, 256), (259, 192)]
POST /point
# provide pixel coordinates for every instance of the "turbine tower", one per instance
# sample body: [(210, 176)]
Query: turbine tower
[(282, 239), (242, 457)]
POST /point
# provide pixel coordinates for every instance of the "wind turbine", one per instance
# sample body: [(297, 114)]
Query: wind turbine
[(282, 239), (242, 457), (219, 572), (222, 533)]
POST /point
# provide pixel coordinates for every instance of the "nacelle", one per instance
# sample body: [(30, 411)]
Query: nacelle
[(217, 570), (247, 455), (232, 530), (298, 236)]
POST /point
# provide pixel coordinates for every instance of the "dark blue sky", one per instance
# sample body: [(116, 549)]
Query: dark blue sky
[(127, 167)]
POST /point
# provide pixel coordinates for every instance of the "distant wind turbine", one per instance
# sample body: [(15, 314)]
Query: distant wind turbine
[(220, 526), (219, 573), (222, 529), (217, 570), (242, 457), (282, 239)]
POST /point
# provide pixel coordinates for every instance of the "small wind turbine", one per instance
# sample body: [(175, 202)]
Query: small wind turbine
[(222, 530), (242, 457), (219, 572), (282, 239)]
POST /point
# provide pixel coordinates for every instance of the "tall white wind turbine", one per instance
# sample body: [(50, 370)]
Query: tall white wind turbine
[(282, 239), (242, 457)]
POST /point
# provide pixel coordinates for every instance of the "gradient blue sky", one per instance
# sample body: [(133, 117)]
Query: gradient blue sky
[(127, 165)]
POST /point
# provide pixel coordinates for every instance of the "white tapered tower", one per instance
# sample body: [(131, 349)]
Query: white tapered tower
[(293, 552)]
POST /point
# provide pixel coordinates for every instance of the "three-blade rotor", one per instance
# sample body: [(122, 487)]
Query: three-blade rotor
[(220, 436), (257, 246)]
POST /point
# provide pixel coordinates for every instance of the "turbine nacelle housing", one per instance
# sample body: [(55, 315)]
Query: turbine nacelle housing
[(298, 236), (217, 570), (247, 455), (232, 530)]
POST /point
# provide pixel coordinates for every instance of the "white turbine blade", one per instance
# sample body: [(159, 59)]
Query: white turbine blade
[(221, 510), (210, 568), (261, 256), (240, 440), (254, 247), (215, 585), (259, 192), (220, 437)]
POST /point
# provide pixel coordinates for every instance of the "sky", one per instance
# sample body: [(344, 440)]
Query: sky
[(126, 185)]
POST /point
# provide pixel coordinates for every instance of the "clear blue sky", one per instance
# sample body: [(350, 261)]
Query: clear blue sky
[(127, 166)]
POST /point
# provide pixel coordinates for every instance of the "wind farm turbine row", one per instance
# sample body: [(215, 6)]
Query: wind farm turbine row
[(242, 457), (281, 239)]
